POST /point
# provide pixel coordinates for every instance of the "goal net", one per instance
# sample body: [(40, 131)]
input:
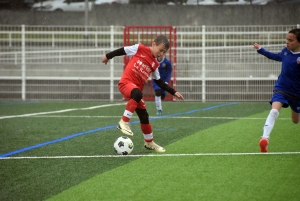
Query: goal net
[(145, 35)]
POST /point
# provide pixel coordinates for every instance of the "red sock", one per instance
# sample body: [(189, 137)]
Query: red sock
[(147, 130), (129, 110)]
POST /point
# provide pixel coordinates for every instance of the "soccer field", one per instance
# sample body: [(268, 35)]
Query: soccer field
[(64, 151)]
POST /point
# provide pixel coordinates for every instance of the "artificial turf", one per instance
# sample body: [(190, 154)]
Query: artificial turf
[(212, 154)]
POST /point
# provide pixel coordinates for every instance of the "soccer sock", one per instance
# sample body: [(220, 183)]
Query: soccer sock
[(129, 110), (270, 121), (158, 102), (147, 131)]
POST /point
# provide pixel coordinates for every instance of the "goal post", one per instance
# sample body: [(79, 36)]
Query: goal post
[(145, 35)]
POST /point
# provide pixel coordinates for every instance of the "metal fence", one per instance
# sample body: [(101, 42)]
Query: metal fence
[(214, 63)]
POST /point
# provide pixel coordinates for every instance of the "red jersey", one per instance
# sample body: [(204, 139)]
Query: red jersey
[(141, 66)]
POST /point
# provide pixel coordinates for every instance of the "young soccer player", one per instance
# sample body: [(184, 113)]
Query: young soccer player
[(287, 87), (142, 65), (165, 71)]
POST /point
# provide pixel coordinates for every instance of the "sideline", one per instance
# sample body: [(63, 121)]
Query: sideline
[(152, 155), (60, 111), (185, 117)]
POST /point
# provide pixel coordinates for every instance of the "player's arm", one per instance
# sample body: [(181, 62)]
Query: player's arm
[(166, 87), (127, 50), (269, 55), (112, 54)]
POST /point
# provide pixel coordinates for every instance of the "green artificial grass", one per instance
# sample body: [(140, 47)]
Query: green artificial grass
[(194, 167), (202, 177)]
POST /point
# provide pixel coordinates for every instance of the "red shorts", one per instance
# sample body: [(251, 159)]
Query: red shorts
[(126, 88)]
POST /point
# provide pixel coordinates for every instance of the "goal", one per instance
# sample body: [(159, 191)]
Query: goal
[(145, 35)]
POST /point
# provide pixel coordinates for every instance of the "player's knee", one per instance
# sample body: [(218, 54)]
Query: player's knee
[(163, 96), (274, 112), (295, 121), (136, 95), (143, 115), (157, 92)]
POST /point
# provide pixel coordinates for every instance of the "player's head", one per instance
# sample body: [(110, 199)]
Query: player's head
[(162, 40), (296, 32), (160, 46), (293, 40)]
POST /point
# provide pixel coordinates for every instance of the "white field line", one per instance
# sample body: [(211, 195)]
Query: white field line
[(181, 117), (151, 155), (59, 111)]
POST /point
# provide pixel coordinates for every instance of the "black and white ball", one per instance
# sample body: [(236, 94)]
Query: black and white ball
[(123, 145)]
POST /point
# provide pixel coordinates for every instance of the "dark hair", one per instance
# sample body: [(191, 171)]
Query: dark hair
[(162, 39), (296, 32)]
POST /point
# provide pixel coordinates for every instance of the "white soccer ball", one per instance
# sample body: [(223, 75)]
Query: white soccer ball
[(123, 145)]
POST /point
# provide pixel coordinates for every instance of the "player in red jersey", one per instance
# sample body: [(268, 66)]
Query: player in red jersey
[(142, 65)]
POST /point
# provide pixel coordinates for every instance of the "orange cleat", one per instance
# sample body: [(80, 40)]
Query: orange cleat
[(263, 143)]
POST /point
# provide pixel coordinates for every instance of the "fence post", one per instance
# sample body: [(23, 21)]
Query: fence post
[(203, 65), (111, 64), (23, 64)]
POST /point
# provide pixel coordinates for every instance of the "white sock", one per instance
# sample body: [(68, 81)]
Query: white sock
[(158, 102), (127, 114), (270, 121)]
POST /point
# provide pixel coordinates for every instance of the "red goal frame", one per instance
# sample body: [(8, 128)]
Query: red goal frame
[(145, 35)]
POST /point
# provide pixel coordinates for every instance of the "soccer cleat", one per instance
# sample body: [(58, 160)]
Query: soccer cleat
[(263, 143), (124, 127), (153, 146), (159, 112)]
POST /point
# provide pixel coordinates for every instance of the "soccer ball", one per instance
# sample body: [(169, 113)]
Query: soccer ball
[(123, 145)]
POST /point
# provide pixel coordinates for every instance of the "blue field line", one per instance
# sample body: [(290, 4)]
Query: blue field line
[(105, 128), (18, 103)]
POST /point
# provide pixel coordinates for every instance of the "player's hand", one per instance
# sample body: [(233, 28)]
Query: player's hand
[(256, 46), (178, 95), (104, 59)]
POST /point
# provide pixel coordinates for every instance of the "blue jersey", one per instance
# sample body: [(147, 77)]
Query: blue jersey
[(289, 78), (165, 71)]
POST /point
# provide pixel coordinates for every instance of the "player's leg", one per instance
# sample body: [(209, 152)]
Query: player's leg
[(135, 96), (282, 101), (147, 128), (295, 111), (158, 101), (268, 127), (270, 121), (295, 117), (278, 101), (163, 95)]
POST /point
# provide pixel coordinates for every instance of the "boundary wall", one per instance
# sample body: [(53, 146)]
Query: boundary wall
[(159, 15)]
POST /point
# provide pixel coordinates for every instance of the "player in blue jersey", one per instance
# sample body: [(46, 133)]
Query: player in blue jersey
[(165, 71), (287, 86)]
